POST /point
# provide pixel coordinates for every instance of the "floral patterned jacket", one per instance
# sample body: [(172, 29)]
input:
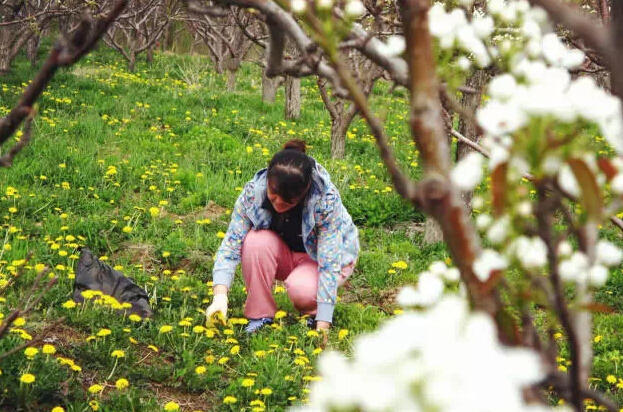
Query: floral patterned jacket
[(329, 234)]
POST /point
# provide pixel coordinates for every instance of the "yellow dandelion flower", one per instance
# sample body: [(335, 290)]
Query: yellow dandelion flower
[(70, 304), (122, 383), (48, 349), (118, 353), (228, 400), (96, 388), (19, 322), (280, 314), (127, 229), (166, 328), (248, 382), (611, 379), (220, 234), (104, 332), (135, 318), (235, 350), (171, 406), (342, 334), (27, 378), (223, 360), (266, 391), (58, 409), (31, 352), (401, 264), (200, 370), (152, 347)]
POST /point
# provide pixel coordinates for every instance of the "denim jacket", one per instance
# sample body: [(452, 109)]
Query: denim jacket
[(329, 234)]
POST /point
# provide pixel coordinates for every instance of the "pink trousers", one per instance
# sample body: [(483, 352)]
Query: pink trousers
[(266, 257)]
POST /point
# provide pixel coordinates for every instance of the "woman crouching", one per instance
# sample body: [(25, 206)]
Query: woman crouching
[(289, 224)]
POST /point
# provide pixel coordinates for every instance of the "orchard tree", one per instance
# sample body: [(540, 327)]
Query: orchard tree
[(540, 212), (138, 29), (343, 111), (22, 23), (222, 35), (69, 48)]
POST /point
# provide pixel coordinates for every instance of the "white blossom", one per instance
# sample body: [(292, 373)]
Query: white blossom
[(498, 231), (616, 184), (395, 45), (324, 4), (467, 173), (483, 25), (464, 63), (597, 275), (452, 275), (524, 208), (354, 8), (488, 261), (503, 87), (531, 252), (498, 118), (575, 268), (407, 297), (557, 53), (567, 181), (531, 29), (551, 164), (446, 352), (497, 156), (483, 221), (298, 6), (564, 249), (438, 267), (478, 202), (608, 254), (429, 288)]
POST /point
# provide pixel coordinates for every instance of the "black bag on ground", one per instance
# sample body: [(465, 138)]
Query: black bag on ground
[(95, 275)]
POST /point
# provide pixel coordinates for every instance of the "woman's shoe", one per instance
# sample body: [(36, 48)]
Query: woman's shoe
[(255, 324)]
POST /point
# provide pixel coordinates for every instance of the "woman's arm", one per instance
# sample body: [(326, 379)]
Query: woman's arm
[(329, 256), (228, 254)]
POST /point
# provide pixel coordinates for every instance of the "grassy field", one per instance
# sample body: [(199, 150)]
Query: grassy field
[(142, 168)]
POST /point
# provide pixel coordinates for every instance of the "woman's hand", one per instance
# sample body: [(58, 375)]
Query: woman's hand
[(322, 325), (219, 302)]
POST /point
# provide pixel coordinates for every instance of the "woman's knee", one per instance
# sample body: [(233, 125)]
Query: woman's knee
[(302, 293), (260, 241)]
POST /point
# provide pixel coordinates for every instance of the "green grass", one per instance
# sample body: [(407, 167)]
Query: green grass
[(107, 146), (110, 146)]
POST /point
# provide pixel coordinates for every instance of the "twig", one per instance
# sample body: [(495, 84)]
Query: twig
[(36, 339)]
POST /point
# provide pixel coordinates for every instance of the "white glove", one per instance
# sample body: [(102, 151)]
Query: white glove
[(219, 304)]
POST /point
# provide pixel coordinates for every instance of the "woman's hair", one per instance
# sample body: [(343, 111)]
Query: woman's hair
[(290, 171)]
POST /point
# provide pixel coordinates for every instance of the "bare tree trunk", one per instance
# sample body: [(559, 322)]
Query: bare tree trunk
[(468, 129), (131, 61), (293, 98), (231, 80), (432, 231), (339, 127), (269, 88), (149, 57), (32, 48)]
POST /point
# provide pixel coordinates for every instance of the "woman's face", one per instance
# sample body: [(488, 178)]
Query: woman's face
[(279, 204)]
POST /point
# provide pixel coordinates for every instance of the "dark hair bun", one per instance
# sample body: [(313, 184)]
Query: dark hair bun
[(296, 144)]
